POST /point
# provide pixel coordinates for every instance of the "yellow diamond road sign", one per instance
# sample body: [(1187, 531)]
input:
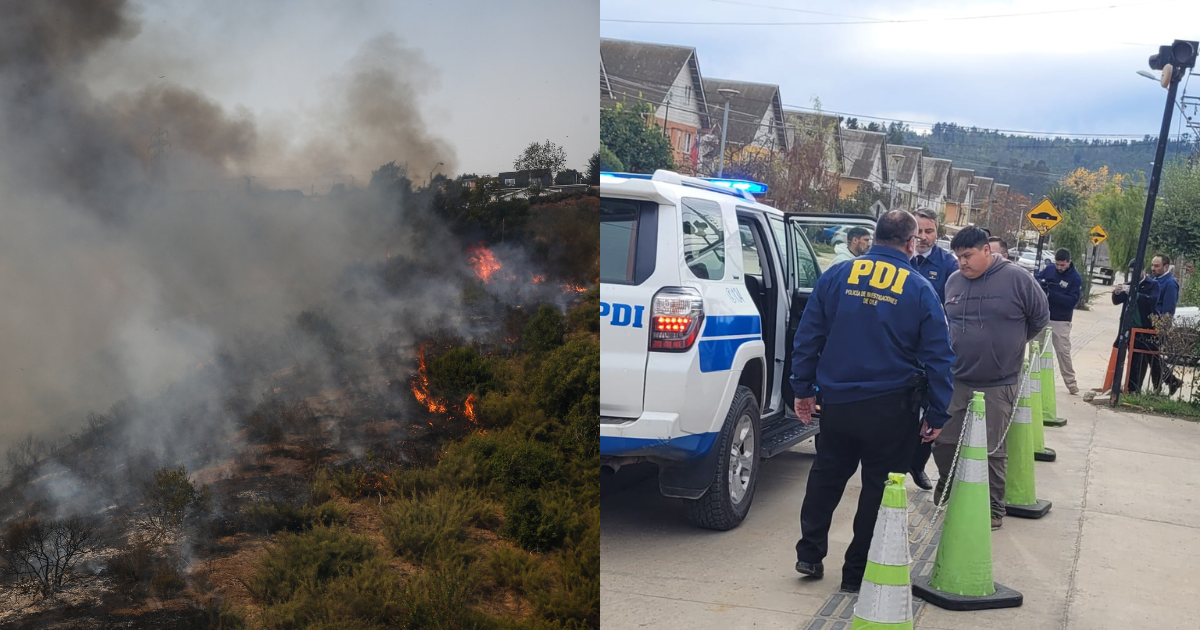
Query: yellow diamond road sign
[(1044, 216), (1097, 235)]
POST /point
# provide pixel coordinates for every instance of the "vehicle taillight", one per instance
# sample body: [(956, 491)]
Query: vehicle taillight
[(676, 314)]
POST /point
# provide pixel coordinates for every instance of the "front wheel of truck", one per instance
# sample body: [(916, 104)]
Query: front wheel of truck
[(728, 498)]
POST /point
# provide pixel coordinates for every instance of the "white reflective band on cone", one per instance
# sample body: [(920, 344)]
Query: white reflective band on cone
[(971, 470), (1024, 416), (889, 545), (976, 432), (1035, 386), (1047, 363), (884, 604)]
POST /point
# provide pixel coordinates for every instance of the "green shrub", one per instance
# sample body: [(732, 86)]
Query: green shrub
[(526, 465), (567, 375), (515, 569), (321, 488), (574, 600), (220, 615), (314, 557), (417, 528), (544, 332), (167, 499), (528, 523), (269, 516), (164, 585), (411, 481), (459, 373), (585, 316)]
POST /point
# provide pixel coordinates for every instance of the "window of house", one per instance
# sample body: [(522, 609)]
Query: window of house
[(510, 182)]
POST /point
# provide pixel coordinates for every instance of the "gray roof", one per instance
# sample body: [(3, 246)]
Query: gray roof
[(860, 151), (746, 110), (959, 178), (908, 166), (1000, 192), (935, 174), (983, 191), (636, 70)]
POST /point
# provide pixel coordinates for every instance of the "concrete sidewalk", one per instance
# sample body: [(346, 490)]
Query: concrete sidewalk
[(1115, 551)]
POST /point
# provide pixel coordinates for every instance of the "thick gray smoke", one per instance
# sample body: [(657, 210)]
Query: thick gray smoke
[(121, 273)]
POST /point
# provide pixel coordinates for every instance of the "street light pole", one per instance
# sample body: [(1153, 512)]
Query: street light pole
[(896, 159), (1173, 60), (728, 93)]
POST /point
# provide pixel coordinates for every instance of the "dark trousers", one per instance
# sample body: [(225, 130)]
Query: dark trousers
[(879, 433), (921, 456)]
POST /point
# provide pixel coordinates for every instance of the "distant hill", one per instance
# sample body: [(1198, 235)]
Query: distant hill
[(1032, 164)]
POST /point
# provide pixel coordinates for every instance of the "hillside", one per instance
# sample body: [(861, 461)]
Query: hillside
[(1032, 164)]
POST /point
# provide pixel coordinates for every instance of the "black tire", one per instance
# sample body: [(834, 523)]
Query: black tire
[(717, 509)]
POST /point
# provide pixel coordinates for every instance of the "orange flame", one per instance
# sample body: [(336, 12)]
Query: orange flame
[(483, 261), (420, 387), (567, 288), (539, 279), (469, 408)]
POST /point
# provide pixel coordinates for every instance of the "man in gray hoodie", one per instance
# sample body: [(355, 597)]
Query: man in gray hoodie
[(993, 308)]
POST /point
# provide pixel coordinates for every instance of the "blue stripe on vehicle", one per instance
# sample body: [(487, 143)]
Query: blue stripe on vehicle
[(728, 325), (716, 355), (686, 447)]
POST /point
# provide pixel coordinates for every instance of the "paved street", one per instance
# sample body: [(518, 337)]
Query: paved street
[(1115, 552)]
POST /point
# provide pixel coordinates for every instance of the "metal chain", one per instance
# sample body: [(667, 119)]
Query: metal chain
[(940, 507)]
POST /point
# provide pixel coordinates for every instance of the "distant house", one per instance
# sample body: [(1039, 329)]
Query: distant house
[(958, 197), (935, 184), (904, 165), (982, 199), (666, 77), (803, 128), (524, 179), (756, 123), (861, 154)]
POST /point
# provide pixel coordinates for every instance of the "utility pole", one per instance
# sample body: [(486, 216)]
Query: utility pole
[(728, 94), (1173, 61)]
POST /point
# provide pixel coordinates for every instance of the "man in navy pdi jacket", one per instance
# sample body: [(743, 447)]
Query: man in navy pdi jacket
[(874, 345), (1063, 285), (1168, 297), (935, 265)]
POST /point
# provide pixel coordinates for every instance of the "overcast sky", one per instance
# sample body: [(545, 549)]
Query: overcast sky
[(499, 76), (1072, 71)]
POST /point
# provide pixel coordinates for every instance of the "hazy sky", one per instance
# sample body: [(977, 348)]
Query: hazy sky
[(496, 76), (1068, 68)]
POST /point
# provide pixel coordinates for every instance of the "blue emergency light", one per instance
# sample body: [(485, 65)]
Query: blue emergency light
[(754, 188)]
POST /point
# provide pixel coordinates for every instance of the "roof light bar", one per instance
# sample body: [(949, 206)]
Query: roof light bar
[(752, 187)]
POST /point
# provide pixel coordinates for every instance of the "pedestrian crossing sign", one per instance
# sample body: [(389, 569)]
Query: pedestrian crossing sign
[(1097, 235), (1044, 217)]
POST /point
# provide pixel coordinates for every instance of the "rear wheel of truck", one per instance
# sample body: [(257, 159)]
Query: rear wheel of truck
[(728, 498)]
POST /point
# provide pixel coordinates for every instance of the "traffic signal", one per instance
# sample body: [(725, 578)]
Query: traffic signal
[(1180, 55)]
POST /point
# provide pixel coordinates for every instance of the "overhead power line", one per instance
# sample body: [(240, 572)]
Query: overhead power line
[(867, 20)]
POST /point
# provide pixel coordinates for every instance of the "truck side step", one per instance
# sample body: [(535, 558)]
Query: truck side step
[(788, 433)]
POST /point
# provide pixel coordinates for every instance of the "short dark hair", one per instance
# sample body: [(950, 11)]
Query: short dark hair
[(857, 232), (1063, 255), (969, 238), (1166, 260), (925, 214), (895, 228), (999, 241)]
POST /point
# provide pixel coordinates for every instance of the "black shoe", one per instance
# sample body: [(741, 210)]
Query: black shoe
[(851, 588), (922, 480), (815, 570), (1173, 387)]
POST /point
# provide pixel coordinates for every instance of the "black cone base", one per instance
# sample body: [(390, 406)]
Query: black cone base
[(1004, 597), (1047, 455), (1060, 422), (1037, 510)]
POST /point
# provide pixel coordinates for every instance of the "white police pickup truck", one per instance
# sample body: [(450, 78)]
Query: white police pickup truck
[(701, 291)]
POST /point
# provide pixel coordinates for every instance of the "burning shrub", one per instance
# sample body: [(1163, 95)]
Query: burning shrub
[(459, 373), (168, 499), (585, 316), (417, 528), (528, 523), (544, 332), (45, 552)]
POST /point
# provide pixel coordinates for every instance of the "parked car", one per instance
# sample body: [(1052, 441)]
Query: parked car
[(1028, 260)]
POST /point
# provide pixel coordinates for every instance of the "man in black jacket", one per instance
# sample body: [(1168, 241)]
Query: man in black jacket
[(1063, 285), (1147, 298)]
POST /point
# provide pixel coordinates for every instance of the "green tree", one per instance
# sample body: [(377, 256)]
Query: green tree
[(1176, 228), (640, 146), (860, 202), (546, 155), (606, 160), (1119, 207), (459, 373), (544, 332)]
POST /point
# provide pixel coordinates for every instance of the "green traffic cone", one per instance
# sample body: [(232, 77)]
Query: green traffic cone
[(1040, 452), (962, 572), (1020, 486), (885, 598), (1049, 397)]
